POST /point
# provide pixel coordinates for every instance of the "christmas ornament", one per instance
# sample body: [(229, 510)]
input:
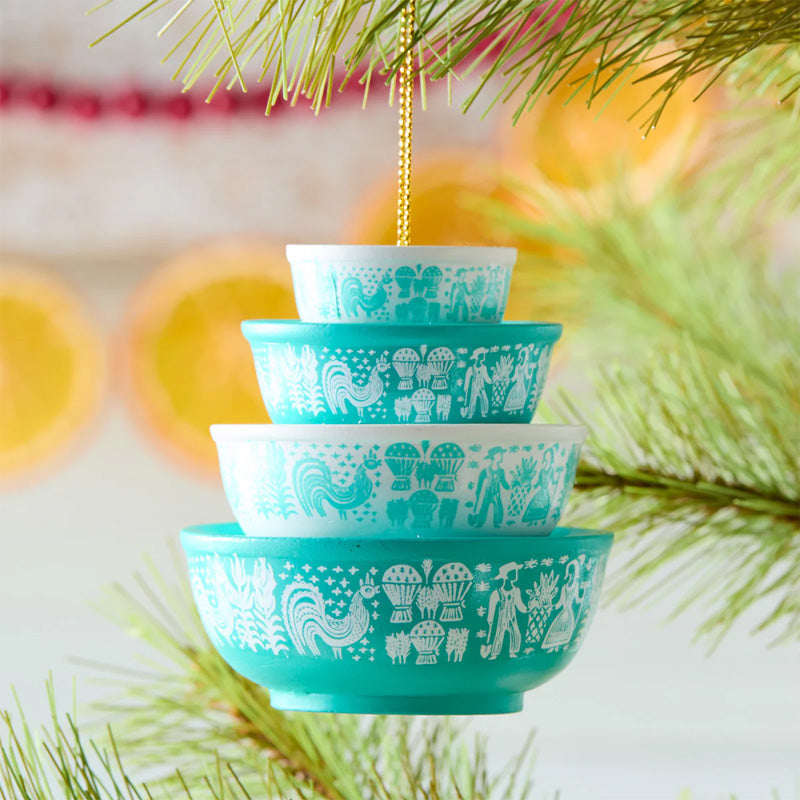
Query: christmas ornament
[(302, 609)]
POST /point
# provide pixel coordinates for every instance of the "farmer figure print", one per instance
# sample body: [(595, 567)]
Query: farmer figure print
[(476, 380), (504, 604), (491, 482), (459, 305)]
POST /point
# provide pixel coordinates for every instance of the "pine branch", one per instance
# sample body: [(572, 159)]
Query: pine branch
[(190, 710), (516, 51), (693, 456), (760, 150), (702, 488), (61, 763)]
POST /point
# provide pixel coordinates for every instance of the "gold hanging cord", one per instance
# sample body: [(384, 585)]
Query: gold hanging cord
[(406, 86)]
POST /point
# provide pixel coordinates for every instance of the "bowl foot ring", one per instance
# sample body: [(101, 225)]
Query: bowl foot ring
[(488, 703)]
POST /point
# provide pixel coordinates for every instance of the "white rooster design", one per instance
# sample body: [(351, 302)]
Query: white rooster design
[(314, 484), (306, 619), (339, 387)]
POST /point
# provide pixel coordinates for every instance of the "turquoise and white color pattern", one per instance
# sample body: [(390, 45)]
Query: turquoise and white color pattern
[(417, 285), (400, 613), (369, 480), (392, 374)]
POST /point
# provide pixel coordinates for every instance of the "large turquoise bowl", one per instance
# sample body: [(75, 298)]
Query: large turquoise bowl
[(396, 626), (353, 373), (413, 480)]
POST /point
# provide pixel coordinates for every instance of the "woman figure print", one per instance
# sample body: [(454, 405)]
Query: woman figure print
[(538, 508), (488, 494), (523, 372), (504, 604), (563, 626)]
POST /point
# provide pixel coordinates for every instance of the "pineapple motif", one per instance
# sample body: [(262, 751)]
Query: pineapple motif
[(501, 377), (540, 606), (521, 483)]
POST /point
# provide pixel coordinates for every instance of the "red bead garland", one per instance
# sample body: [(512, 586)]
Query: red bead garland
[(20, 93)]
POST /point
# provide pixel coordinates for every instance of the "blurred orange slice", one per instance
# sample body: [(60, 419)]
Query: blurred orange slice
[(52, 370), (450, 194), (582, 148), (446, 192), (187, 362)]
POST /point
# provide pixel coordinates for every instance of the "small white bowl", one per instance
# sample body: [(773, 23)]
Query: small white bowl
[(415, 285), (427, 480)]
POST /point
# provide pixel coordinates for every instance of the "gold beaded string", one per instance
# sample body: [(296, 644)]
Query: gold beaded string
[(406, 85)]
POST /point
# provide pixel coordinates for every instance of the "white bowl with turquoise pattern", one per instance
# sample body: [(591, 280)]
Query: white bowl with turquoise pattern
[(413, 285), (418, 480)]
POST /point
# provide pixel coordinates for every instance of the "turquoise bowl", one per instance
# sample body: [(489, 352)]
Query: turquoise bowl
[(420, 374), (416, 285), (414, 480), (396, 626)]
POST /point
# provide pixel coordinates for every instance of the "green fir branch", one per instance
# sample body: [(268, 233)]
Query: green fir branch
[(60, 763), (514, 51), (704, 492), (694, 456), (188, 710), (759, 147)]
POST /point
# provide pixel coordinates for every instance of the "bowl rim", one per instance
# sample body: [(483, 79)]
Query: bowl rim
[(280, 331), (229, 533), (455, 255), (491, 433)]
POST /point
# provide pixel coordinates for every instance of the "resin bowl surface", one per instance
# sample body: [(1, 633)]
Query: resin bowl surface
[(396, 626), (372, 480), (380, 283), (419, 374)]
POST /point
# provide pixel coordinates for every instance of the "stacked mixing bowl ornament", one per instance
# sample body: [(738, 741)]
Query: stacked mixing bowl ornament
[(396, 548)]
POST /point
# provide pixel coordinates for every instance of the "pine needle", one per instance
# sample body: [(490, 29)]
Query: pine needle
[(694, 452), (529, 49)]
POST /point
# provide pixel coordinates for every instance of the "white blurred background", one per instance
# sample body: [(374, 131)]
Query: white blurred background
[(100, 204)]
